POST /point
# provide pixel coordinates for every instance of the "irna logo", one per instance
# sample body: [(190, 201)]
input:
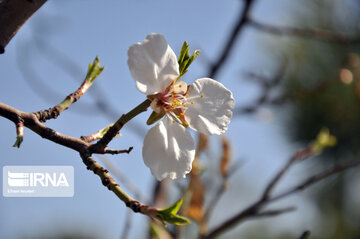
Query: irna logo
[(37, 179)]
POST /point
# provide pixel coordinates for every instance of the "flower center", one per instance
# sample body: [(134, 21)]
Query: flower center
[(173, 101)]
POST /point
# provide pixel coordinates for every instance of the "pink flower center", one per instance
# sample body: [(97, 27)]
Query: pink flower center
[(173, 101)]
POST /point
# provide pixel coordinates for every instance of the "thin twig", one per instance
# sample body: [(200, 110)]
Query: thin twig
[(127, 225), (315, 178), (267, 85), (118, 151), (296, 157), (305, 235), (253, 209), (274, 212), (117, 126), (242, 20), (52, 113), (220, 191), (316, 34)]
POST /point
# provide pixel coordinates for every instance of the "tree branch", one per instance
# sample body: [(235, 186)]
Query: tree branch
[(13, 14), (254, 209), (316, 34), (242, 20)]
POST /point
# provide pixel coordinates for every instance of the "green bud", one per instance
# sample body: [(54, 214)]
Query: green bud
[(323, 140), (94, 70), (19, 140), (185, 59)]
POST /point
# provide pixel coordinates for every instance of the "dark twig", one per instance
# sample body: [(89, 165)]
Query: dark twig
[(316, 34), (220, 191), (305, 235), (267, 85), (13, 14), (241, 22), (316, 178), (85, 149), (274, 212), (296, 157), (118, 151), (127, 226), (254, 209)]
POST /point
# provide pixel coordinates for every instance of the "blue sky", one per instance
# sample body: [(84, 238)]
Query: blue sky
[(81, 30)]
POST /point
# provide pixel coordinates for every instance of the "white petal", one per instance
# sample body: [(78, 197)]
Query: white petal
[(211, 113), (168, 150), (152, 64)]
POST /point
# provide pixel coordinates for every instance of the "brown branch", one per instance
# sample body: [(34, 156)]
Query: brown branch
[(305, 235), (31, 122), (241, 22), (84, 148), (13, 14), (316, 34), (301, 155), (316, 178), (267, 85), (254, 209), (118, 151), (274, 212), (221, 190)]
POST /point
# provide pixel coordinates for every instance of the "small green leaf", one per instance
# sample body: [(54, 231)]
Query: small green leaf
[(94, 70), (19, 140), (185, 60), (323, 140), (192, 58), (154, 117), (184, 53), (169, 215)]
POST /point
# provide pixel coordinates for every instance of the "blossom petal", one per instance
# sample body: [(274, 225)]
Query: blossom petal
[(152, 64), (212, 106), (168, 150)]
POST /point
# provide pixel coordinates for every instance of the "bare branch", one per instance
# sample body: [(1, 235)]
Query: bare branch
[(31, 122), (316, 178), (267, 85), (296, 157), (127, 226), (13, 14), (254, 209), (118, 151), (305, 235), (242, 20), (274, 212), (316, 34)]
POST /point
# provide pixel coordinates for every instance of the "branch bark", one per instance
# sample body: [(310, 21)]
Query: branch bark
[(13, 15)]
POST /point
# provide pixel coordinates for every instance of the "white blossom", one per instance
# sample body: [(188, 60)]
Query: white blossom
[(204, 106)]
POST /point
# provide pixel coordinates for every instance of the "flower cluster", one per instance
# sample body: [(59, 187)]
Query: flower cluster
[(204, 106)]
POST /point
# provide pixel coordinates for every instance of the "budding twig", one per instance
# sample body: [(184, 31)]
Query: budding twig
[(117, 126), (52, 113)]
